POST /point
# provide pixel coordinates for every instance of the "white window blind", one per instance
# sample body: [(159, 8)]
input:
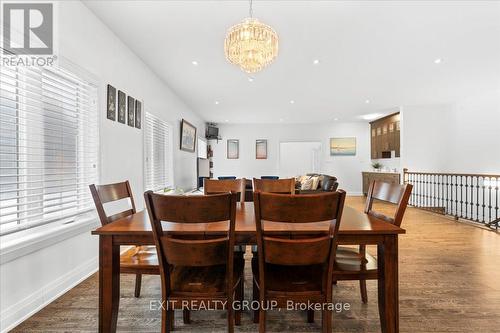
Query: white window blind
[(49, 144), (158, 153)]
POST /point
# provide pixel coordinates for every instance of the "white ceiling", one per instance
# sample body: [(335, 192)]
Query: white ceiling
[(381, 51)]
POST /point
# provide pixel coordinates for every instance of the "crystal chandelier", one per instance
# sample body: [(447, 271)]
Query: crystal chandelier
[(251, 44)]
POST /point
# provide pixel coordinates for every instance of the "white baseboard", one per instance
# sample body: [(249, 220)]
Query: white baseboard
[(25, 308), (354, 194)]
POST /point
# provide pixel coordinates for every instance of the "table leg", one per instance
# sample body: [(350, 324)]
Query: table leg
[(388, 293), (109, 283)]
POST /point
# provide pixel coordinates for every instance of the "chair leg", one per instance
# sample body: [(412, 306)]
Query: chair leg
[(239, 297), (262, 320), (255, 298), (165, 321), (364, 294), (230, 317), (326, 321), (310, 316), (171, 317), (138, 280), (186, 316)]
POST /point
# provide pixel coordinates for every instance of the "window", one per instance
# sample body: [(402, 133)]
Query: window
[(158, 151), (49, 142)]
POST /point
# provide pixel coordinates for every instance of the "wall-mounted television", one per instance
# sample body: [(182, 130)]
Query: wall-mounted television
[(212, 132)]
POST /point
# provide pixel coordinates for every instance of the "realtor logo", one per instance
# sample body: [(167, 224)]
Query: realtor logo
[(28, 29)]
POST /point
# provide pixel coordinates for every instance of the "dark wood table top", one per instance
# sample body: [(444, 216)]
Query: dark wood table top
[(353, 222)]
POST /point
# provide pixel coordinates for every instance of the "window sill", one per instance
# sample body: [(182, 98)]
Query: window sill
[(27, 241)]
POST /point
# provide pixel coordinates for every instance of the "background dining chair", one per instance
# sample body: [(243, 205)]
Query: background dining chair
[(226, 177), (213, 186), (296, 267), (269, 177), (356, 263), (139, 259), (194, 269), (283, 186)]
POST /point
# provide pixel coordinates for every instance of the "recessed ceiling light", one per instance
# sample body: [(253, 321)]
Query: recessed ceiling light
[(227, 120), (292, 102), (367, 101), (250, 79), (371, 116), (316, 61), (335, 119), (216, 102), (438, 60), (194, 62), (281, 119)]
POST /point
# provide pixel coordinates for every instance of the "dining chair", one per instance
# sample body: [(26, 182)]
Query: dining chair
[(283, 186), (196, 269), (214, 186), (269, 177), (226, 177), (356, 263), (137, 260), (296, 267)]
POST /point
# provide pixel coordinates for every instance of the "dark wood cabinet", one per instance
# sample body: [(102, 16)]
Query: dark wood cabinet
[(385, 136)]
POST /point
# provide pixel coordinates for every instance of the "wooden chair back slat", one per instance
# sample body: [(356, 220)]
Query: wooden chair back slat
[(118, 216), (282, 186), (191, 209), (216, 186), (113, 192), (311, 251), (394, 193), (183, 252), (299, 208), (108, 193)]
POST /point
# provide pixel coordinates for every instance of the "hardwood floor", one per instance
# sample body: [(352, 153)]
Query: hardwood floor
[(449, 282)]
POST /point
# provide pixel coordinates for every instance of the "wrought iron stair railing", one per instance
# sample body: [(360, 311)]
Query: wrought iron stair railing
[(472, 197)]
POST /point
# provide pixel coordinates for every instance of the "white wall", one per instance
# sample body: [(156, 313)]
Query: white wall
[(346, 168), (462, 137), (30, 281)]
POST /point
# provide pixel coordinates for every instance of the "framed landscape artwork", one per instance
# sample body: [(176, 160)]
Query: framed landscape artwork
[(261, 149), (111, 103), (138, 114), (188, 136), (121, 107), (131, 111), (233, 149), (343, 146)]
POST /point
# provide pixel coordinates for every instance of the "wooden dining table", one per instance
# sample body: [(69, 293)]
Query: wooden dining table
[(355, 228)]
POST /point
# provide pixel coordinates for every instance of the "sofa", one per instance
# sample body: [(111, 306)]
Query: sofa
[(326, 183)]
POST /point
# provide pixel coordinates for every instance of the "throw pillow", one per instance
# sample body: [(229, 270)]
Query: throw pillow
[(315, 182), (307, 184)]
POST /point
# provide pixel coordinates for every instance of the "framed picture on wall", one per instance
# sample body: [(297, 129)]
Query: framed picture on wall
[(188, 136), (343, 146), (131, 111), (111, 103), (138, 114), (121, 106), (261, 149), (233, 149)]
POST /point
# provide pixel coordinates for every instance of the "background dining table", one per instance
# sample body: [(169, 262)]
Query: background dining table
[(355, 228)]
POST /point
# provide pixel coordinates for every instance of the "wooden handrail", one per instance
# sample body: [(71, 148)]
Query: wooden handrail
[(483, 175)]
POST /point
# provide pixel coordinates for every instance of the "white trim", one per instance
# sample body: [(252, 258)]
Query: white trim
[(35, 240), (25, 308)]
